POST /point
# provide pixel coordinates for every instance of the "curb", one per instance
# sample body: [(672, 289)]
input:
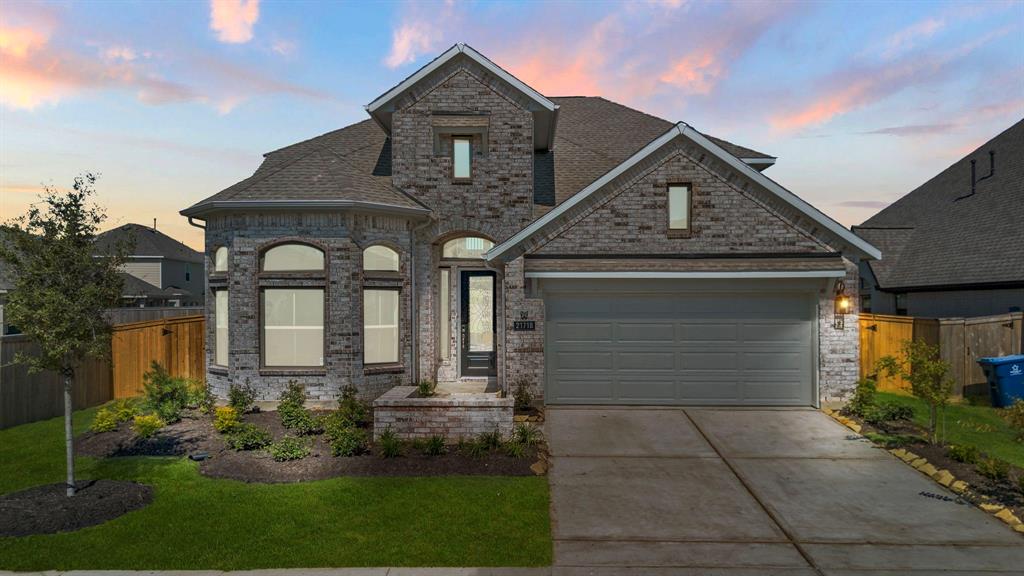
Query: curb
[(942, 477)]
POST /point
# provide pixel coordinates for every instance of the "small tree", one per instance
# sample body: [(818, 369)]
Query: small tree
[(920, 365), (62, 286)]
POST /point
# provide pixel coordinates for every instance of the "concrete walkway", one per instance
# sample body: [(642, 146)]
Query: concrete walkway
[(758, 492)]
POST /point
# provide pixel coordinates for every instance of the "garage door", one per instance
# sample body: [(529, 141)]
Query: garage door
[(679, 348)]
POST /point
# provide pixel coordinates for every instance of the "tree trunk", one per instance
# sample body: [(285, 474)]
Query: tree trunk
[(69, 436)]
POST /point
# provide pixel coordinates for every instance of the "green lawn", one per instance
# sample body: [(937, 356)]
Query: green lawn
[(979, 426), (201, 523)]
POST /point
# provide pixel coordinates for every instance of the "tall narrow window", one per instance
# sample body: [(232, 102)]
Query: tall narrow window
[(220, 259), (188, 272), (678, 207), (220, 315), (446, 315), (380, 326), (293, 327), (461, 158)]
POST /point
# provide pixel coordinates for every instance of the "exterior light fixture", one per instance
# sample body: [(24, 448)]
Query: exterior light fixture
[(842, 305)]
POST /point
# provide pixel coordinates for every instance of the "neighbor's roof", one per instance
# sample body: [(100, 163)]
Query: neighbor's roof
[(135, 287), (931, 238), (148, 242), (351, 167)]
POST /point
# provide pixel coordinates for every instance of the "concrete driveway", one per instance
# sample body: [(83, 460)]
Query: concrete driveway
[(736, 492)]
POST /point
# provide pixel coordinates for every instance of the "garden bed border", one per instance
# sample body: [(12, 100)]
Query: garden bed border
[(454, 417)]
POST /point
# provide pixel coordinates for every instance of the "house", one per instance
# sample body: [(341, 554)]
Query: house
[(478, 233), (6, 285), (954, 246), (160, 270)]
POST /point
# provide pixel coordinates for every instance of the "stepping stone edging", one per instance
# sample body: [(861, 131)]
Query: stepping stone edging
[(942, 477)]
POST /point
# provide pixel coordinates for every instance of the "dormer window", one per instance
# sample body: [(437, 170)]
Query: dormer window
[(679, 209), (462, 155)]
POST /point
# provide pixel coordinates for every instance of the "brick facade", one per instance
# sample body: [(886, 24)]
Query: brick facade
[(453, 418), (629, 216)]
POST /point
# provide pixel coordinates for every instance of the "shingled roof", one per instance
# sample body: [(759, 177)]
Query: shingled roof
[(354, 163), (147, 242), (940, 235)]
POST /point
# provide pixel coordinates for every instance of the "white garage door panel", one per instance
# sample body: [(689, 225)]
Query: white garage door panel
[(679, 348)]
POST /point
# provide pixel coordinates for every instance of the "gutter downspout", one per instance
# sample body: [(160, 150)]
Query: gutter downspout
[(191, 223), (414, 328)]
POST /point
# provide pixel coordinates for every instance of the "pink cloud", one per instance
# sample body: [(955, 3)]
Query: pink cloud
[(233, 20), (410, 40), (859, 86)]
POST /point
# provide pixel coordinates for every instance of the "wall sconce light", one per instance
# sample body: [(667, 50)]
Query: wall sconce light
[(842, 305)]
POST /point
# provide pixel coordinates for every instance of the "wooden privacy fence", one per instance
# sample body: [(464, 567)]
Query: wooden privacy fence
[(176, 343), (961, 341), (28, 397)]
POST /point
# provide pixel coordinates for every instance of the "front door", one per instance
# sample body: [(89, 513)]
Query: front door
[(478, 330)]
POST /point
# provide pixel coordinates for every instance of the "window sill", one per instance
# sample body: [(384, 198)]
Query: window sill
[(462, 181), (396, 368), (382, 275), (218, 369), (680, 233), (293, 372)]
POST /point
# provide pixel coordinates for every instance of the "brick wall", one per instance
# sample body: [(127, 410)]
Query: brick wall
[(839, 350), (454, 418)]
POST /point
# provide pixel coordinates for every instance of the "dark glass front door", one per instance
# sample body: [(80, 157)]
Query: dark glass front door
[(478, 324)]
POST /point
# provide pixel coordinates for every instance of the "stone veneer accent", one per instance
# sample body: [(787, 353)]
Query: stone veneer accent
[(454, 417)]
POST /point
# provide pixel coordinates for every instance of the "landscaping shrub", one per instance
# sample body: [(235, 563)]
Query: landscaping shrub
[(225, 419), (1015, 417), (248, 437), (993, 468), (490, 440), (125, 409), (199, 396), (426, 388), (288, 448), (104, 421), (885, 412), (526, 434), (433, 446), (473, 448), (146, 425), (348, 441), (965, 454), (351, 408), (863, 397), (522, 397), (165, 395), (242, 397), (390, 444), (293, 413), (920, 364), (514, 449), (1020, 483)]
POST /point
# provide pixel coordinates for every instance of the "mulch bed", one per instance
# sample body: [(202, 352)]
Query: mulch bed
[(982, 489), (195, 433), (48, 509)]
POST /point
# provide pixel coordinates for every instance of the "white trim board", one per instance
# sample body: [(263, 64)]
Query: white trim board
[(694, 275), (683, 129)]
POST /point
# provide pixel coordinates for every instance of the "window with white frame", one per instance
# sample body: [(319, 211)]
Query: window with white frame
[(292, 257), (678, 207), (221, 323), (467, 247), (462, 157), (380, 325), (380, 258), (220, 259), (293, 327), (445, 333)]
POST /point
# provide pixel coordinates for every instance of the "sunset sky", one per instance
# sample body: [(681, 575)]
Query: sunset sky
[(173, 101)]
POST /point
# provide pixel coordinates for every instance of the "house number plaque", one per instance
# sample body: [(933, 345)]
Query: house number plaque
[(524, 325)]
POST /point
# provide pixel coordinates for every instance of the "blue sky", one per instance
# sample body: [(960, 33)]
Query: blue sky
[(173, 101)]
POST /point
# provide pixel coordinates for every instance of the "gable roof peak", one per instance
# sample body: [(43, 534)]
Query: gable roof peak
[(545, 112)]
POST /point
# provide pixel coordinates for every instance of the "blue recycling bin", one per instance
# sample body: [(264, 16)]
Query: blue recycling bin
[(1005, 376)]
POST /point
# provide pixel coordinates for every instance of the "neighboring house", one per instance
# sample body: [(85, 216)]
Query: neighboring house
[(6, 285), (955, 245), (160, 271), (474, 230)]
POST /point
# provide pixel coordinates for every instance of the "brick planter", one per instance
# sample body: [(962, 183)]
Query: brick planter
[(454, 417)]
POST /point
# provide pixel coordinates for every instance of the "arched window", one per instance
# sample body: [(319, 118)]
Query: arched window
[(380, 258), (292, 257), (220, 259), (466, 247)]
